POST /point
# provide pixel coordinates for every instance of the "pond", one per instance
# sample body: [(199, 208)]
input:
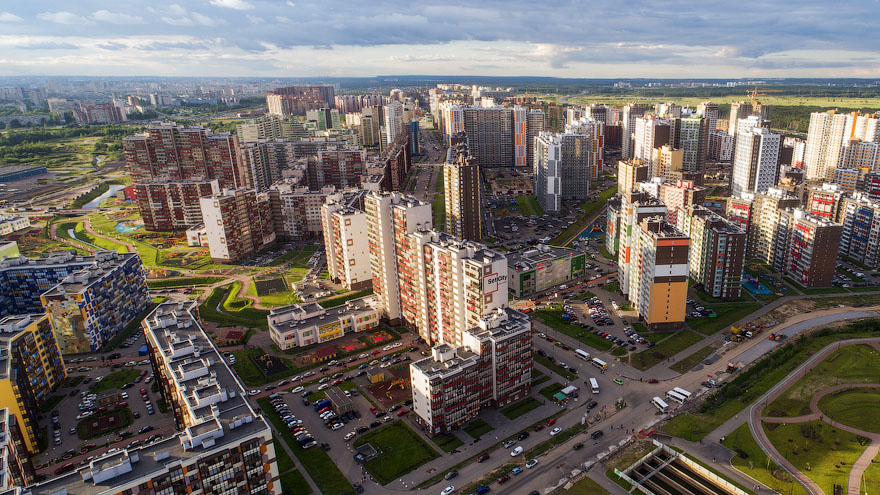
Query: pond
[(127, 226), (114, 188)]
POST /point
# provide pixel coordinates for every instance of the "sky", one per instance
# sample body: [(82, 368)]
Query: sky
[(300, 38)]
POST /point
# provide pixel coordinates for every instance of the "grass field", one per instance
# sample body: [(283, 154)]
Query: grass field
[(477, 428), (859, 408), (820, 451), (80, 233), (400, 451), (448, 442), (559, 370), (234, 313), (337, 301), (552, 317), (692, 360), (727, 314), (750, 384), (316, 462), (173, 283), (871, 476), (851, 364), (529, 206), (115, 380), (583, 221), (439, 208), (751, 460), (517, 409), (550, 390), (665, 349), (294, 482)]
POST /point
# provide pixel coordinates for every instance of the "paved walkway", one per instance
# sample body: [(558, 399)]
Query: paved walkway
[(756, 416)]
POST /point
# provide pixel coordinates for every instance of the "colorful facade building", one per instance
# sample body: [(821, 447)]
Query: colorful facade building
[(300, 325), (17, 469), (717, 251), (543, 267)]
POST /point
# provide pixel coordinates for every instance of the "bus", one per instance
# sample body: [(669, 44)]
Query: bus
[(582, 354), (602, 365), (659, 404), (673, 395), (594, 385), (682, 392)]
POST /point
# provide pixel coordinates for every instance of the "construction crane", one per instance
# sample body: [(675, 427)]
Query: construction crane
[(754, 94)]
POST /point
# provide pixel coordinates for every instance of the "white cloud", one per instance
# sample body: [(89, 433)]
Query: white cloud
[(282, 19), (233, 4), (63, 17), (290, 4), (177, 21), (9, 17), (176, 9), (117, 17), (205, 20), (255, 19)]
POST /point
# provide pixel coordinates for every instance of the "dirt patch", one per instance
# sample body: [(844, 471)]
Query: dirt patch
[(93, 427), (393, 391), (785, 311)]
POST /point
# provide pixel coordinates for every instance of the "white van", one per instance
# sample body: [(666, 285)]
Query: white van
[(594, 386)]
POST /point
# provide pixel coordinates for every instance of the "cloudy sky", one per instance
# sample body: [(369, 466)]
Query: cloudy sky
[(633, 38)]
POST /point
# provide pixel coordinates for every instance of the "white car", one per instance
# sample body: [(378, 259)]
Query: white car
[(386, 348), (515, 452), (124, 395), (336, 426), (254, 391), (364, 355), (532, 463), (350, 435), (448, 490), (295, 379), (308, 374), (396, 345), (84, 415), (555, 431), (324, 386), (297, 390)]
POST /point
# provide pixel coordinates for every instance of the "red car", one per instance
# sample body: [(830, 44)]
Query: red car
[(143, 391), (102, 409), (375, 351), (548, 338), (120, 405), (483, 457), (402, 412), (373, 409), (653, 380), (551, 422), (64, 468), (539, 427), (502, 480)]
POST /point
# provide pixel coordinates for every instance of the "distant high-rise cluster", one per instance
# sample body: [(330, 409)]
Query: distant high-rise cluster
[(297, 100)]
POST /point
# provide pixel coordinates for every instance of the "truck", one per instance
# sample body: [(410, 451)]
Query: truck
[(778, 337), (321, 404), (732, 367)]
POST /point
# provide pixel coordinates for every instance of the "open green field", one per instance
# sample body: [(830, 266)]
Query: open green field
[(750, 384), (550, 390), (851, 364), (447, 442), (824, 453), (234, 311), (871, 476), (665, 349), (294, 482), (751, 460), (552, 317), (727, 314), (692, 360), (439, 208), (115, 380), (400, 451), (587, 486), (858, 407), (81, 234), (583, 221), (172, 283), (297, 257), (529, 206), (517, 409)]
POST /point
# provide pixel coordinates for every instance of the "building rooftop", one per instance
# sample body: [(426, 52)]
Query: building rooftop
[(213, 397), (530, 258), (660, 228), (105, 262), (304, 315)]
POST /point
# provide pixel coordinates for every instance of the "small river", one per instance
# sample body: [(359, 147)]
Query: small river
[(114, 188)]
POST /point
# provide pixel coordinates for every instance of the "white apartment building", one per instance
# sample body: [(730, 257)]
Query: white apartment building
[(300, 325), (825, 139), (631, 112), (12, 223), (346, 246), (756, 159), (393, 121)]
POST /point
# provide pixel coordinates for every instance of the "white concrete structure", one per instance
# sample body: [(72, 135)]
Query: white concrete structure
[(299, 325), (345, 242), (756, 159)]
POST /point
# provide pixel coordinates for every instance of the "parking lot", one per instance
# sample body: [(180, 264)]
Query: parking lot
[(93, 405)]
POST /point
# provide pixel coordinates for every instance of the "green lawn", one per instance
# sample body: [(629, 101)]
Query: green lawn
[(559, 370), (285, 464), (552, 317), (587, 486), (692, 360), (337, 301), (529, 206), (50, 403), (115, 380), (665, 349), (727, 314), (127, 418), (80, 233), (612, 287), (294, 482), (439, 209), (871, 475), (858, 407), (605, 253), (851, 364), (820, 451), (298, 257), (817, 290), (448, 442), (517, 409), (400, 451), (477, 428), (750, 384), (234, 312), (752, 461), (550, 390), (583, 221), (250, 374), (316, 462)]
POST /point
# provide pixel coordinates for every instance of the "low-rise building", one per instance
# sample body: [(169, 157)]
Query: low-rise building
[(92, 305), (299, 325), (543, 267), (12, 223), (30, 368), (492, 368)]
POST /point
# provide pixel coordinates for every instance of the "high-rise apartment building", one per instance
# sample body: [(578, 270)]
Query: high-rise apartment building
[(297, 100), (717, 251), (650, 132), (764, 221), (720, 147), (680, 194), (345, 244), (807, 247), (659, 265), (372, 118), (238, 223), (691, 135), (739, 110), (631, 113), (629, 174), (667, 161), (824, 201), (756, 159), (860, 236), (826, 138), (595, 129), (167, 154), (739, 211), (497, 136), (18, 469), (324, 118), (463, 194), (848, 179), (93, 304), (709, 111), (635, 207), (563, 167), (858, 154), (394, 125), (172, 204), (296, 211), (613, 214), (31, 367), (269, 127), (492, 367), (338, 167)]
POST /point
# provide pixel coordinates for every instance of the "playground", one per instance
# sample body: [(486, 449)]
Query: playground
[(395, 390), (348, 344), (270, 284), (269, 365)]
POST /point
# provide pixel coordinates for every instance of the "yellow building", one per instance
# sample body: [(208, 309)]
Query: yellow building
[(30, 368)]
